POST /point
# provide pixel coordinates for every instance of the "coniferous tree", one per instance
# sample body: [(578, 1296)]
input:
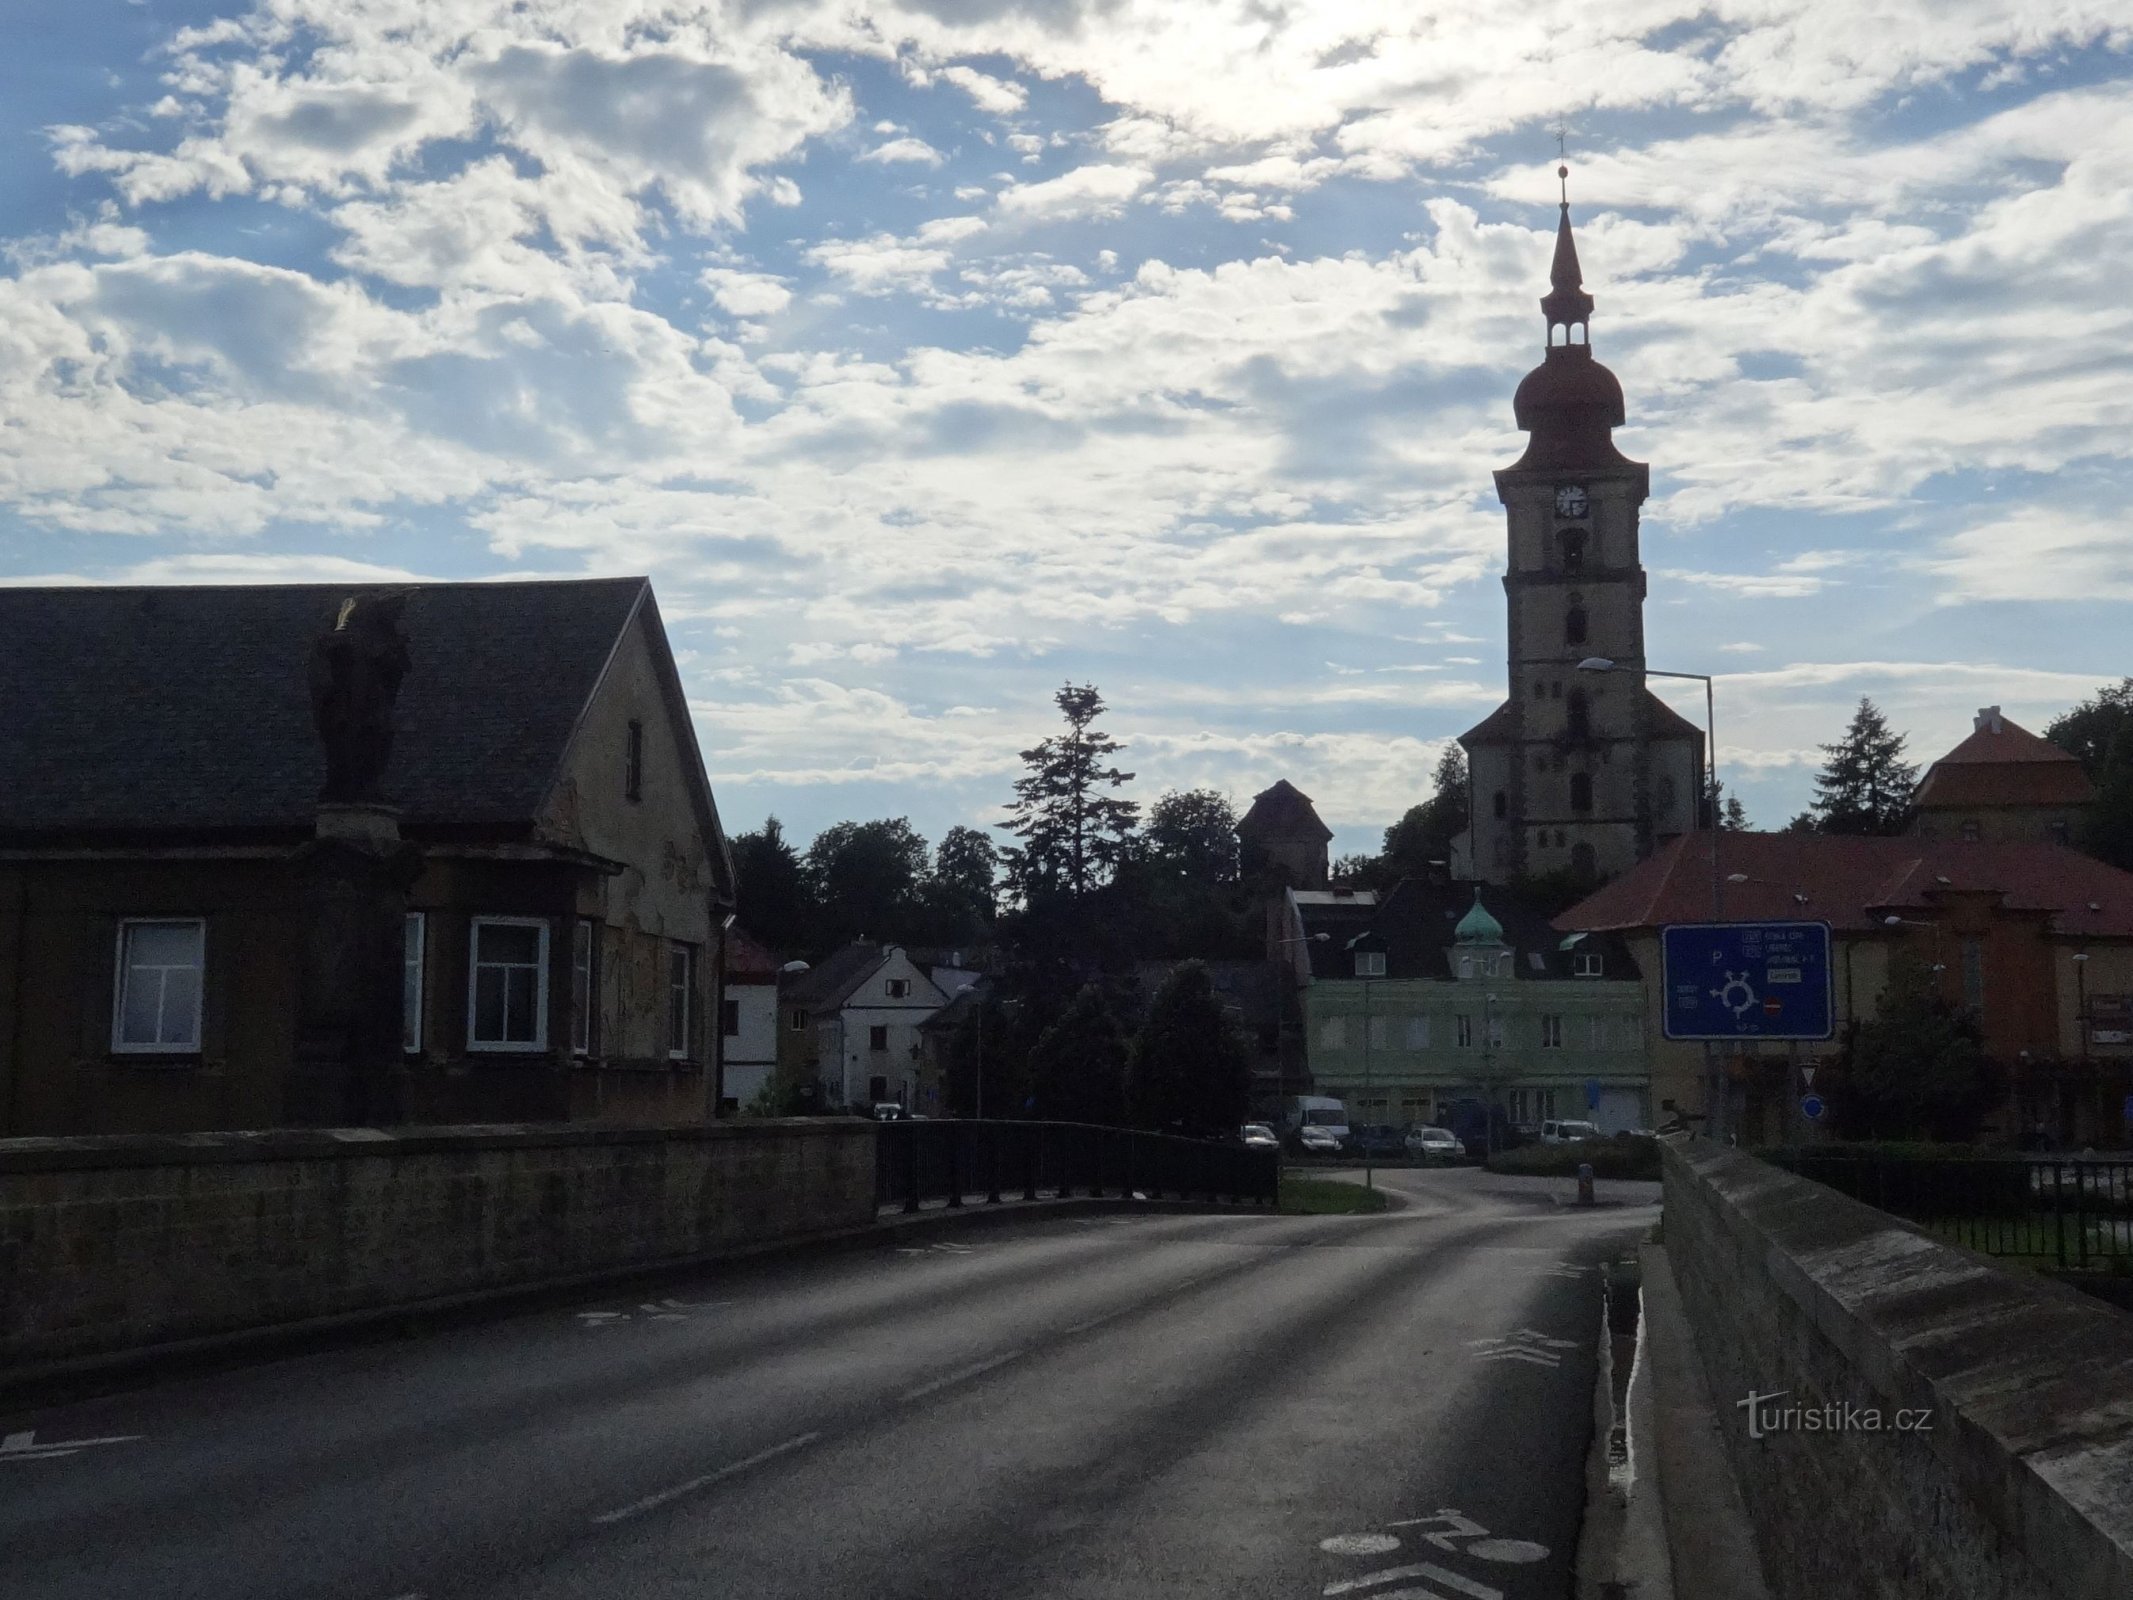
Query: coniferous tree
[(1190, 1069), (770, 890), (1074, 831), (1865, 784), (1425, 834), (1077, 1069)]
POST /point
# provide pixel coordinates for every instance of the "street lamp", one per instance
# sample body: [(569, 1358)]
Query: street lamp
[(1714, 1101)]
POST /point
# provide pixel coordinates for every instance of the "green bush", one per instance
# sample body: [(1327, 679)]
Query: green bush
[(1620, 1157)]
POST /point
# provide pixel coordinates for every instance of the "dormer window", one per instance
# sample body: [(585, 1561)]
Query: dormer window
[(897, 988), (1370, 963), (633, 763), (1586, 964)]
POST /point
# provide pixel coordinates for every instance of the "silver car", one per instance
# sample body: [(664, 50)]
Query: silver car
[(1434, 1144)]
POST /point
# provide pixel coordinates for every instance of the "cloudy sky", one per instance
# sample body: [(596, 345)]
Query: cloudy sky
[(929, 354)]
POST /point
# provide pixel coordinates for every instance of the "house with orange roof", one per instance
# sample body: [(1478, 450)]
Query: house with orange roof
[(2002, 783)]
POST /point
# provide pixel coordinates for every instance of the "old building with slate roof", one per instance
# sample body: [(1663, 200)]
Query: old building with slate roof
[(160, 782)]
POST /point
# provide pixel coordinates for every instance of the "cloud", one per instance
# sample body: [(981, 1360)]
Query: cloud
[(1097, 190), (915, 151), (1000, 97)]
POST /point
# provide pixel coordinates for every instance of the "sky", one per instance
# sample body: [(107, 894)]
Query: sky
[(930, 355)]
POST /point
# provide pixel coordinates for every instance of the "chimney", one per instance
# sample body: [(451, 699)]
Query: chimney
[(1988, 720)]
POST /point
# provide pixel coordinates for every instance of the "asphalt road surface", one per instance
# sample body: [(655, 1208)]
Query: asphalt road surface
[(1095, 1406)]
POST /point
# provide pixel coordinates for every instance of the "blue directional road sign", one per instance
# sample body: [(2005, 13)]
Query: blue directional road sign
[(1747, 980), (1811, 1107)]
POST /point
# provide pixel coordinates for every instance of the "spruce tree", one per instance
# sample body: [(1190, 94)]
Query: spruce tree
[(1865, 784), (1074, 832), (771, 893)]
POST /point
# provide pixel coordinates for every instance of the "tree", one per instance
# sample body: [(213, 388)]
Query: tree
[(1073, 831), (1077, 1070), (1192, 834), (2088, 730), (770, 889), (965, 864), (1803, 822), (1425, 833), (1919, 1068), (2107, 832), (1189, 1066), (1865, 784), (1732, 815), (866, 879)]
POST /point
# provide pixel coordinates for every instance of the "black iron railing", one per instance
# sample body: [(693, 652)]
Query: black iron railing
[(2073, 1214), (961, 1162)]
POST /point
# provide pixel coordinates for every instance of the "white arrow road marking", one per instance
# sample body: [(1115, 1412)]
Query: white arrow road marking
[(1509, 1551), (24, 1446), (1421, 1569), (653, 1501), (1359, 1544)]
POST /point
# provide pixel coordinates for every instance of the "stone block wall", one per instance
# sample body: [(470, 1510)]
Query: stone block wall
[(114, 1243), (2019, 1486)]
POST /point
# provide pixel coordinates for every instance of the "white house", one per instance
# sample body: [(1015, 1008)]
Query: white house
[(862, 1007), (749, 1025)]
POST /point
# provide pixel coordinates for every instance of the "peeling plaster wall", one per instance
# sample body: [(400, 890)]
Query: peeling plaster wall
[(2022, 1486)]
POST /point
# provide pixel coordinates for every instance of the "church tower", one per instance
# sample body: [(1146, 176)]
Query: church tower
[(1576, 772)]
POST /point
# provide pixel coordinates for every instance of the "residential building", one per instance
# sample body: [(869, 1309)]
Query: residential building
[(1444, 999), (1576, 772), (849, 1028), (2035, 939), (2002, 783), (528, 891), (748, 1020)]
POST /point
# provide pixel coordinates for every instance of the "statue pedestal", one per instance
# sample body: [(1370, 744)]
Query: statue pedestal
[(352, 883)]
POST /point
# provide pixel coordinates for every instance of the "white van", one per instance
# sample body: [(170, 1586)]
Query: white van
[(1568, 1132), (1302, 1111)]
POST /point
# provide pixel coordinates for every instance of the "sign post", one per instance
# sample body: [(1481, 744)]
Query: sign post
[(1737, 981)]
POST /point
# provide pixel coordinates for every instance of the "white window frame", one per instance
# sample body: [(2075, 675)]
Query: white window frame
[(1333, 1033), (1370, 963), (1598, 1030), (539, 1043), (1380, 1033), (681, 987), (795, 1019), (1418, 1033), (1587, 964), (1551, 1030), (414, 976), (1465, 1031), (121, 971), (584, 995), (896, 988)]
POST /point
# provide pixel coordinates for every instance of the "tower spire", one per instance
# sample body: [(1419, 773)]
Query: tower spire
[(1566, 304)]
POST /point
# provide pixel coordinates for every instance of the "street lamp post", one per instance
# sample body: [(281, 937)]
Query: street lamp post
[(1714, 1091)]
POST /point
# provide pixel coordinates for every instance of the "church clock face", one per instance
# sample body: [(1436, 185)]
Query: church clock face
[(1571, 501)]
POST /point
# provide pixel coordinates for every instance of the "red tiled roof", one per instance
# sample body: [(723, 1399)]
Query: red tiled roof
[(2003, 764), (1853, 883), (749, 961)]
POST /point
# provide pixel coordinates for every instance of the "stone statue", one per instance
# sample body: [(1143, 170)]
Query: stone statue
[(355, 676)]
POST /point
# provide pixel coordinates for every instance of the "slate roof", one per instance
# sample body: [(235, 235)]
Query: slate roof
[(824, 986), (1853, 883), (1503, 726), (1418, 921), (186, 710), (1283, 811)]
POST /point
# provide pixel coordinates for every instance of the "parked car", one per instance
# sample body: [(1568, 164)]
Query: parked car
[(890, 1111), (1317, 1141), (1568, 1132), (1434, 1144), (1378, 1139), (1257, 1136)]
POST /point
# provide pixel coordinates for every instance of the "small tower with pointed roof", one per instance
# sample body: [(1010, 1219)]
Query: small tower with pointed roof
[(1576, 772), (1281, 837)]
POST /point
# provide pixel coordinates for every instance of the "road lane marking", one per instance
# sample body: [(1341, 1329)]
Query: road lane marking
[(961, 1376), (653, 1501), (1420, 1569), (24, 1446), (1359, 1544)]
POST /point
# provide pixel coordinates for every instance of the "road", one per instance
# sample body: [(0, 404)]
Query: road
[(1092, 1405)]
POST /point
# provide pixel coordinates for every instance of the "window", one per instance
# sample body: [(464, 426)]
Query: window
[(878, 1036), (1540, 690), (1597, 1032), (1370, 963), (1466, 966), (1381, 1033), (581, 987), (1586, 964), (1972, 832), (897, 988), (633, 763), (1580, 791), (796, 1020), (1973, 972), (1551, 1032), (155, 1007), (1418, 1033), (1574, 625), (729, 1018), (2059, 832), (413, 936), (1501, 805), (681, 972), (1464, 1026), (1579, 712), (1573, 545), (507, 985), (1333, 1033), (1495, 1033)]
